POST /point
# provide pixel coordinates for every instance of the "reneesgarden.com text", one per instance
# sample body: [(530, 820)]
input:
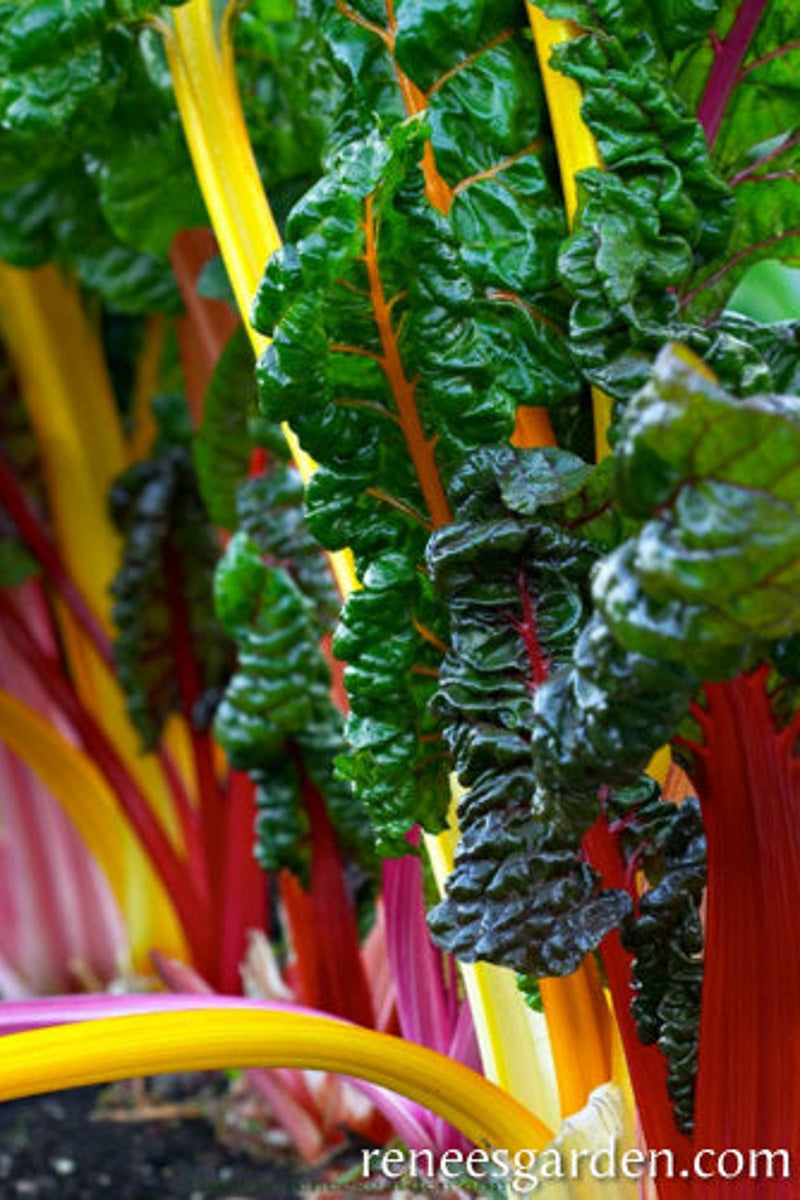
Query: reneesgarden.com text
[(526, 1170)]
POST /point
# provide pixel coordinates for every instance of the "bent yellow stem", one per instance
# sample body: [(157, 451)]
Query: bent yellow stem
[(121, 1047), (211, 114)]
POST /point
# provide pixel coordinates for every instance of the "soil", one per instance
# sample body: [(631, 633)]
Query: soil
[(68, 1146), (173, 1137)]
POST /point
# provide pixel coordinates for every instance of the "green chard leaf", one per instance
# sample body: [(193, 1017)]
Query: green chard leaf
[(716, 568), (71, 193), (289, 92), (277, 721), (171, 652), (666, 937), (700, 590), (222, 446), (685, 205), (94, 172)]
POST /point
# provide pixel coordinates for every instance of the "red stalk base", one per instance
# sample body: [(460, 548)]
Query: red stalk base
[(748, 1098), (646, 1064)]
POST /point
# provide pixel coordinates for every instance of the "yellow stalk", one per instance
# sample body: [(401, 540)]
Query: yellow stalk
[(213, 121), (60, 365), (65, 384), (577, 150), (211, 113), (213, 1039)]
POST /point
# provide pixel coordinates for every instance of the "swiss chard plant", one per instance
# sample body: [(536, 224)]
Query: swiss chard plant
[(564, 621), (506, 250)]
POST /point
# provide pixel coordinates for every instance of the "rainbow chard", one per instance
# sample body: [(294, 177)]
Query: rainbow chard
[(393, 304)]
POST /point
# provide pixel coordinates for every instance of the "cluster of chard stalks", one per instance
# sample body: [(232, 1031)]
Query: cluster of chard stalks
[(143, 865)]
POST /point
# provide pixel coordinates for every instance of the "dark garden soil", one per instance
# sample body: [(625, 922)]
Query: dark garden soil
[(81, 1145), (184, 1137)]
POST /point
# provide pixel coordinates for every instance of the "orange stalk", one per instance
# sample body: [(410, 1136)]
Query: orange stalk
[(420, 448)]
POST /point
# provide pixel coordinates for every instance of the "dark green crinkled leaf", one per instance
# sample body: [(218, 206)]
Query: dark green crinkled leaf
[(520, 893), (163, 595), (270, 511), (666, 937)]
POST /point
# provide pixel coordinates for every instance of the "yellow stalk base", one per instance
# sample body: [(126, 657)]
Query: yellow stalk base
[(215, 1039)]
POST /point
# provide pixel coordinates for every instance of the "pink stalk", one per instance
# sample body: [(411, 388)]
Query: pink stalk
[(428, 1007), (724, 74), (55, 907), (46, 553), (375, 956), (191, 910)]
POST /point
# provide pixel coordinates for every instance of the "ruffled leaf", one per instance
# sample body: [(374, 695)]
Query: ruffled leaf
[(274, 595), (171, 653)]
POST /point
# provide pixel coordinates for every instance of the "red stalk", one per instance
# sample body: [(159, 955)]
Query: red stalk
[(245, 886), (212, 809), (46, 554), (748, 774), (330, 971), (646, 1064), (208, 324)]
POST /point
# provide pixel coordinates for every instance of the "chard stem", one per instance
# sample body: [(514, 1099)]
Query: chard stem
[(724, 73)]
